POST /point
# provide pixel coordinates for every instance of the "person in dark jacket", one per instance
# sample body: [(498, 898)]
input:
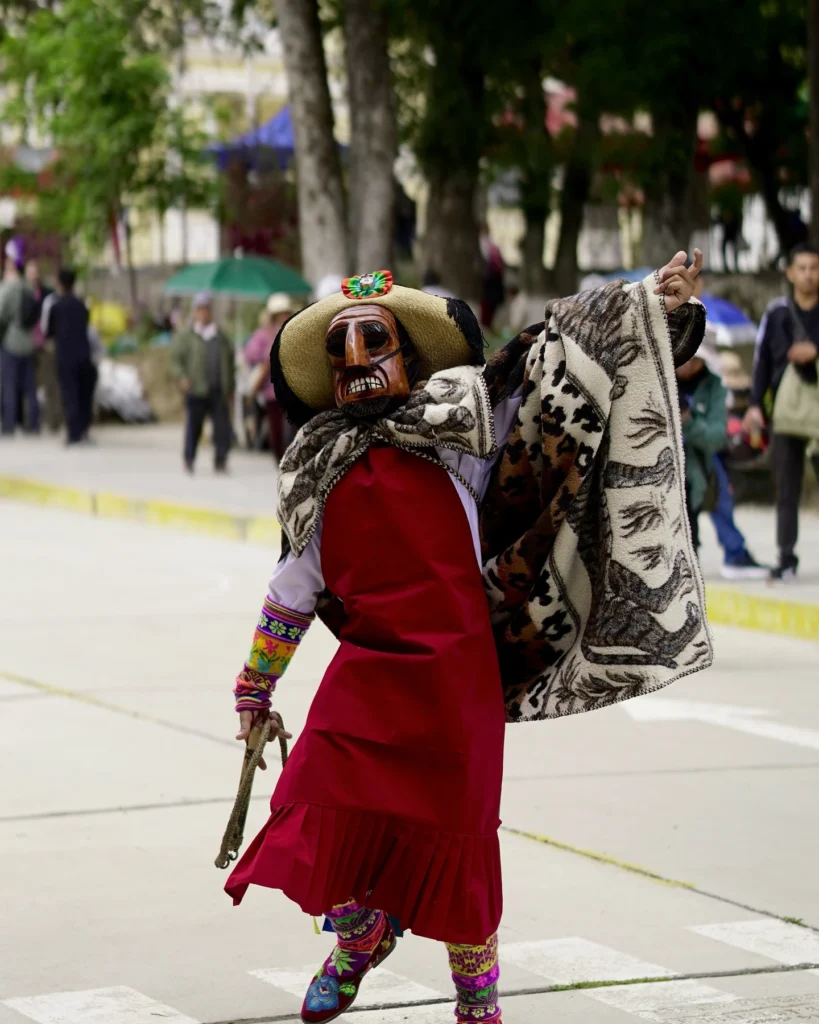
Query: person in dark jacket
[(203, 363), (788, 334), (66, 321)]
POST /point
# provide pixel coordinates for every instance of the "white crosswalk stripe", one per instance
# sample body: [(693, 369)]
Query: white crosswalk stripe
[(118, 1005), (562, 961), (778, 940), (573, 960), (382, 985)]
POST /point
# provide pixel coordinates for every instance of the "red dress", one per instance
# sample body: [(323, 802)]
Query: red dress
[(392, 792)]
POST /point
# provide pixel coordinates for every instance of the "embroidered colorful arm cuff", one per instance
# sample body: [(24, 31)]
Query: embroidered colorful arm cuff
[(277, 636)]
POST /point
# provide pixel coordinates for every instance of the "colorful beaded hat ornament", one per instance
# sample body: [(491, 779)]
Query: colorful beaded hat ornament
[(368, 286)]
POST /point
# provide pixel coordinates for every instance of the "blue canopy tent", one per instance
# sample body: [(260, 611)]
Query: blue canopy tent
[(274, 138), (732, 326)]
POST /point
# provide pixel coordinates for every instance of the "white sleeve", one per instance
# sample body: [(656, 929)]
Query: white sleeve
[(477, 472), (297, 582)]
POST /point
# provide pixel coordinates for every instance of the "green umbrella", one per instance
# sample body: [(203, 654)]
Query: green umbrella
[(245, 277)]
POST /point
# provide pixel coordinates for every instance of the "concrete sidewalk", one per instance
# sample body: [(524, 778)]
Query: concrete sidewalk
[(135, 472)]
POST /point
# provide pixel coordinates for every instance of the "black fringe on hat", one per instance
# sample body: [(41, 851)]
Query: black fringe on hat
[(299, 413), (468, 325)]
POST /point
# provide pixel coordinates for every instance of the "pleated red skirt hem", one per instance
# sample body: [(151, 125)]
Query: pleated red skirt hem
[(441, 885)]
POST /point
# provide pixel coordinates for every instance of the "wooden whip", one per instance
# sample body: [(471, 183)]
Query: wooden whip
[(256, 742)]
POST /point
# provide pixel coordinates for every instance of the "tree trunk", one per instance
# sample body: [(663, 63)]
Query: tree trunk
[(451, 237), (373, 140), (813, 73), (536, 183), (163, 255), (450, 150), (576, 187), (670, 213), (318, 168), (129, 261), (533, 277)]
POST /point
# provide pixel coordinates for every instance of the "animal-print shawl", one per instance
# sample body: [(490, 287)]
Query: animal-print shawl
[(593, 585), (594, 588)]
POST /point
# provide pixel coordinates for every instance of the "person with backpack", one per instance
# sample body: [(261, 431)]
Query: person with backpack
[(19, 315), (786, 363)]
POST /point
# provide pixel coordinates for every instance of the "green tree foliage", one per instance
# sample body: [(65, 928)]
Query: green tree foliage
[(75, 82), (89, 78)]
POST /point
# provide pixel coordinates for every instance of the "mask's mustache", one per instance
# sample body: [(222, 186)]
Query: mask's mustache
[(372, 408)]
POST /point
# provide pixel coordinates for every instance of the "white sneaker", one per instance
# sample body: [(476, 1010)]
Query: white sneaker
[(747, 569)]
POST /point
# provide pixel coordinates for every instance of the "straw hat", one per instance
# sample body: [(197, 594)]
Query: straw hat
[(444, 332), (278, 303)]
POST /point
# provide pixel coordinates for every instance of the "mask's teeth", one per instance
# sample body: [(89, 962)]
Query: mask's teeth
[(364, 384)]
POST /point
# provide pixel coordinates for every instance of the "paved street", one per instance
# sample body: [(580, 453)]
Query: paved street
[(144, 463), (118, 645)]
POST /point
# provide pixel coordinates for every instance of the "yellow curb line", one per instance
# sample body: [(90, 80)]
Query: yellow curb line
[(730, 607), (106, 505)]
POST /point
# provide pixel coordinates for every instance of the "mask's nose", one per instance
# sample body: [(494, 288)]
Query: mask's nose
[(356, 351)]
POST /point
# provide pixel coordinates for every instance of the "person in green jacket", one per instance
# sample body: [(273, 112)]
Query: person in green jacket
[(704, 422), (202, 361)]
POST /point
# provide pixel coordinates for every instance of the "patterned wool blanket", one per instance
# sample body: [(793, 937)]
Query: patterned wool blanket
[(593, 584)]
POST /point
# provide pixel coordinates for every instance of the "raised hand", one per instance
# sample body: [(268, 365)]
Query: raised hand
[(677, 280)]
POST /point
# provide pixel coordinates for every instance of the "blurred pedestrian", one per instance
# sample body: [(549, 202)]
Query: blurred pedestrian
[(257, 354), (731, 221), (66, 323), (19, 314), (493, 289), (431, 284), (203, 364), (787, 349), (40, 293), (704, 416), (46, 354), (737, 561)]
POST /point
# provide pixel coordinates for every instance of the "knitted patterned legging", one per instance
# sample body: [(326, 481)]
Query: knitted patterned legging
[(475, 969)]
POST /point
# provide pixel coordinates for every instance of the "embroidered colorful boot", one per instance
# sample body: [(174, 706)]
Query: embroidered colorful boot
[(475, 971), (364, 939)]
